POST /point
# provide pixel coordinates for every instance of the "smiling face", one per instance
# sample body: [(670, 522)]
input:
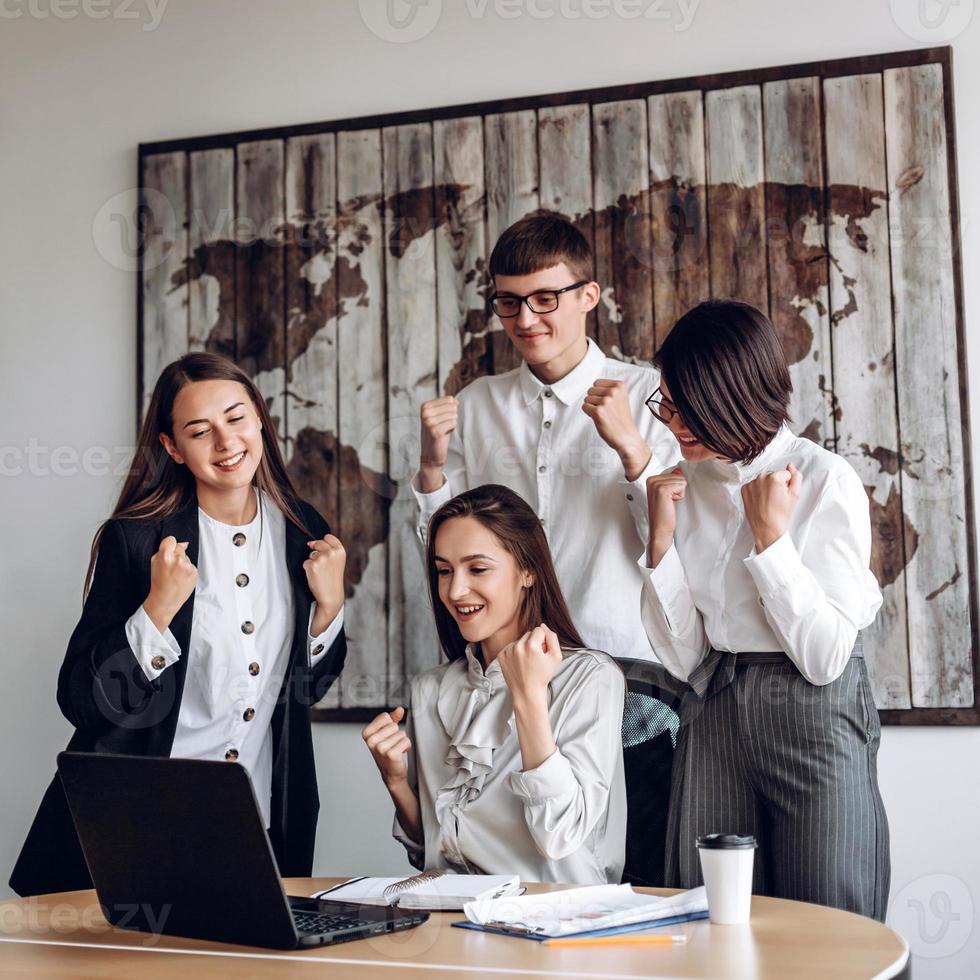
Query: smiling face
[(217, 435), (692, 449), (551, 343), (480, 583)]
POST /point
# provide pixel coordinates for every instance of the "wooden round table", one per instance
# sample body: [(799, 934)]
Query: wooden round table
[(64, 936)]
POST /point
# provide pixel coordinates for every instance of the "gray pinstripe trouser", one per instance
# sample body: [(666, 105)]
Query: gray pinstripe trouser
[(770, 754)]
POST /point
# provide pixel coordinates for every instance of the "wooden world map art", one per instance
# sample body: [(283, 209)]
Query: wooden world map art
[(343, 266)]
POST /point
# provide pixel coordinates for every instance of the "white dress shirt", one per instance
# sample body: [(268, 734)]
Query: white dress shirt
[(564, 821), (241, 636), (535, 439), (808, 594)]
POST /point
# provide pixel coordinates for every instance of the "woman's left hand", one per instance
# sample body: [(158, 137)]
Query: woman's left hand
[(325, 575), (528, 664), (770, 500)]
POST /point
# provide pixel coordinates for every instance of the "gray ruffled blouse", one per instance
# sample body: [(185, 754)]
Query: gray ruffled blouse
[(564, 821)]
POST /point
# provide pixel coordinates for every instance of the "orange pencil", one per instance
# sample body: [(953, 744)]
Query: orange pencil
[(658, 939)]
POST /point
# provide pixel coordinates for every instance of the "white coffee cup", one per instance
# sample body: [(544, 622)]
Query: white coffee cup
[(726, 865)]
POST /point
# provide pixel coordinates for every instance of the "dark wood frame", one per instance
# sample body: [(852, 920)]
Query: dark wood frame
[(942, 56)]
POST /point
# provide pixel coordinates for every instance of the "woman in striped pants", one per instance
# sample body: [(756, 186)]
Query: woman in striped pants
[(757, 587)]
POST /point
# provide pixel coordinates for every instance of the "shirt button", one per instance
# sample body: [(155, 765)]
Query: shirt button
[(238, 540), (253, 668), (547, 393), (241, 580), (231, 755), (547, 424), (629, 496), (542, 469), (248, 627), (248, 714), (317, 649), (158, 662)]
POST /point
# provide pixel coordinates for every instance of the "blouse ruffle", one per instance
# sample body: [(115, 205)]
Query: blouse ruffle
[(476, 721)]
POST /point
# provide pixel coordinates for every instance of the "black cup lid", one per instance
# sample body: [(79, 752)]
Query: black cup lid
[(726, 841)]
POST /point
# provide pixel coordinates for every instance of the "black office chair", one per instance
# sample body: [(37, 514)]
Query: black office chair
[(647, 755)]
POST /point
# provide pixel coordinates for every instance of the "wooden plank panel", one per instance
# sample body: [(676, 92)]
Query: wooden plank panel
[(461, 253), (260, 328), (736, 197), (212, 251), (797, 248), (622, 228), (164, 257), (311, 329), (311, 288), (362, 504), (410, 274), (678, 207), (930, 412), (863, 356), (511, 173), (565, 169)]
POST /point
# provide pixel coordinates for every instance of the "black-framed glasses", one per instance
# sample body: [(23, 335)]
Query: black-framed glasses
[(507, 305), (662, 409)]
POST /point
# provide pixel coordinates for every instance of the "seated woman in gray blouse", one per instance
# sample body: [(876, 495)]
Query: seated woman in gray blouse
[(514, 759)]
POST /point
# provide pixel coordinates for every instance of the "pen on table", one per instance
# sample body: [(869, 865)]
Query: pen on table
[(333, 888), (658, 939)]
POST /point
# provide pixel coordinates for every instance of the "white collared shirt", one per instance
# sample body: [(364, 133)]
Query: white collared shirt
[(234, 674), (808, 594), (535, 439), (481, 811)]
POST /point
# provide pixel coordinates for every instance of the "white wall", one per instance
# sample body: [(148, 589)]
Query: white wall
[(77, 95)]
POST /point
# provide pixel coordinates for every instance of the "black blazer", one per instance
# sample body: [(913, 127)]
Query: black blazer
[(104, 693)]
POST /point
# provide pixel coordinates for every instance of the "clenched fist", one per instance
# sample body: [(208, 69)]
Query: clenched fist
[(769, 501), (528, 664), (608, 405), (325, 575), (663, 494), (172, 582), (388, 744), (439, 417)]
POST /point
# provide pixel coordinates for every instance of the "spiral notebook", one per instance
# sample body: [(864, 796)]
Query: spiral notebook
[(431, 891)]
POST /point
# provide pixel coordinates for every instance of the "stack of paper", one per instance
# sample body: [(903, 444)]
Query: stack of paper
[(596, 909)]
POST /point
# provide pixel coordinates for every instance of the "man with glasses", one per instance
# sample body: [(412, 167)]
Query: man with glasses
[(568, 431)]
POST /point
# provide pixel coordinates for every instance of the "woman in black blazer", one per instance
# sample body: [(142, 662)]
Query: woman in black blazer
[(207, 472)]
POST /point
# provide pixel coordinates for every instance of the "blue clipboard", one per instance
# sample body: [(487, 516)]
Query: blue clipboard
[(611, 931)]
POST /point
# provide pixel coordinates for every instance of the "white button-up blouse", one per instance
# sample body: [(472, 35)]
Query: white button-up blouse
[(241, 635), (808, 594), (564, 821), (534, 438)]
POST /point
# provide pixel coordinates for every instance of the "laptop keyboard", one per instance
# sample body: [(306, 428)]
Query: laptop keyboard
[(318, 922)]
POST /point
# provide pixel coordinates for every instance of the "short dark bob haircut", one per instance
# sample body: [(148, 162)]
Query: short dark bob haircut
[(726, 373)]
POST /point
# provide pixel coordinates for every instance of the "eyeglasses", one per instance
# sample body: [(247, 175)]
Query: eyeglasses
[(507, 305), (662, 408)]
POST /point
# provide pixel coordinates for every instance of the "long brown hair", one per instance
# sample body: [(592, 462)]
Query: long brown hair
[(157, 486), (515, 525)]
